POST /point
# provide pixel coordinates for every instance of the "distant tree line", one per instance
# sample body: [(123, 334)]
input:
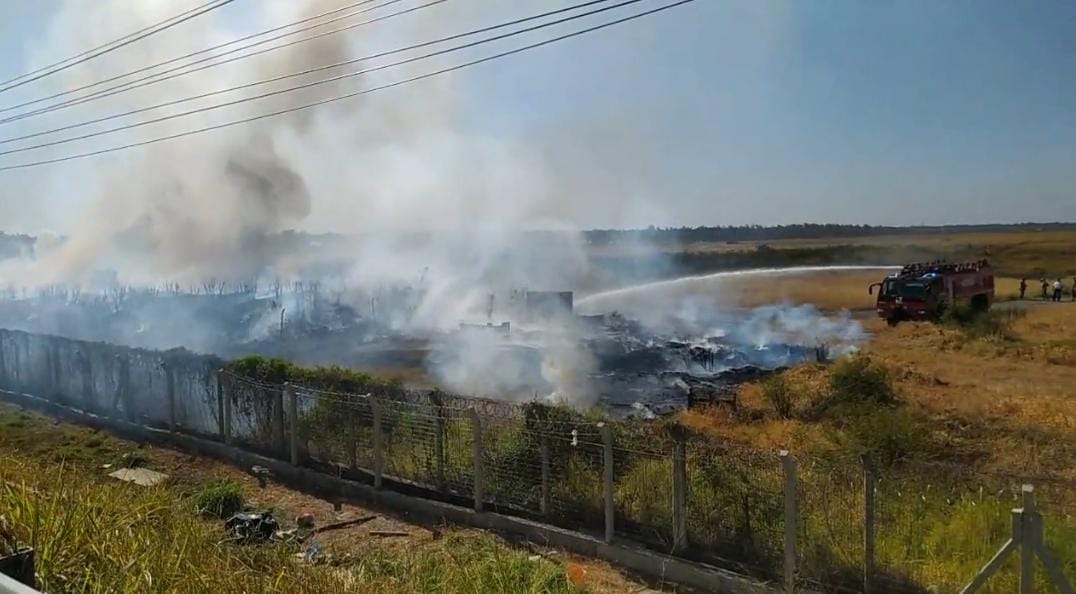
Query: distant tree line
[(797, 231)]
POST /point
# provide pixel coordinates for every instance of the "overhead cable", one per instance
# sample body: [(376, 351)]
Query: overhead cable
[(114, 45), (181, 70), (337, 98), (294, 74)]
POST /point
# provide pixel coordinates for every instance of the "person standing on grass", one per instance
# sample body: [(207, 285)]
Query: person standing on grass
[(1058, 288), (1023, 288), (1074, 288), (1045, 287)]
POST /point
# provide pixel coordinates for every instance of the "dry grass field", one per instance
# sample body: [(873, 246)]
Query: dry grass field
[(1023, 252), (1013, 253), (1001, 404)]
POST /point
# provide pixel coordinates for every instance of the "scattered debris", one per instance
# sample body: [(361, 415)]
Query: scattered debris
[(249, 527), (312, 552), (288, 535), (305, 521), (262, 474), (576, 574), (345, 524), (388, 533), (142, 477)]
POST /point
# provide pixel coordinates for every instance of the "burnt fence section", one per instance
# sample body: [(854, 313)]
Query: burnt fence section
[(833, 523)]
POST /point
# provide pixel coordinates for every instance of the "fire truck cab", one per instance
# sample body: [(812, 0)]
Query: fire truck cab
[(923, 291)]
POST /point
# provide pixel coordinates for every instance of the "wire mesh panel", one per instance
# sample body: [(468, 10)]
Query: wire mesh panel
[(336, 428), (65, 371), (147, 390), (1056, 499), (458, 432), (643, 494), (195, 395), (101, 381), (256, 415), (409, 441), (935, 534), (576, 495), (512, 462), (830, 501), (735, 507)]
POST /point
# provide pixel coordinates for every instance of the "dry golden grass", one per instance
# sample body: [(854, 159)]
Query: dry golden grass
[(1008, 405), (1014, 253), (1012, 403), (829, 290)]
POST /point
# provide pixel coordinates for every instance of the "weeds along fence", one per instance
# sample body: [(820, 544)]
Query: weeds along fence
[(829, 523)]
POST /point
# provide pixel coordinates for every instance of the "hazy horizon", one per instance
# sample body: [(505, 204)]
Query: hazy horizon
[(714, 113)]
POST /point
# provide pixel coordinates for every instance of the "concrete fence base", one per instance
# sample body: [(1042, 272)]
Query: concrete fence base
[(646, 563)]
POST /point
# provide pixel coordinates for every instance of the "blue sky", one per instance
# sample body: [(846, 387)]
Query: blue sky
[(735, 112)]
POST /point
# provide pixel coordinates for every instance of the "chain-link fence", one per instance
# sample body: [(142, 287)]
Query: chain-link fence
[(832, 523)]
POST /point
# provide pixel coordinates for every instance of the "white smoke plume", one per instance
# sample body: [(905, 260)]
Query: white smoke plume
[(426, 200)]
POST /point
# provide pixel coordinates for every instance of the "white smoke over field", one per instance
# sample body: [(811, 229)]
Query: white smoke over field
[(437, 214), (201, 206)]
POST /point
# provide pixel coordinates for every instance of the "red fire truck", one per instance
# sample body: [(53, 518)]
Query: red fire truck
[(922, 291)]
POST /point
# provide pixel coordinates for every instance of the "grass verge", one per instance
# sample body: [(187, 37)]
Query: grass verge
[(94, 534)]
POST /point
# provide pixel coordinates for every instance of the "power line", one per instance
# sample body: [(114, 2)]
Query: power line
[(122, 42), (152, 78), (316, 83), (295, 74), (318, 103), (103, 45), (195, 53)]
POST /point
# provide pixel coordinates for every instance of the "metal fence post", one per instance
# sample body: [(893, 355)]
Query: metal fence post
[(869, 483), (379, 453), (1027, 552), (476, 443), (607, 482), (788, 463), (679, 509), (293, 424), (544, 452)]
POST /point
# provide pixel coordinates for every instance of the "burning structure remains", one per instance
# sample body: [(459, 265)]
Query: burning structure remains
[(534, 347)]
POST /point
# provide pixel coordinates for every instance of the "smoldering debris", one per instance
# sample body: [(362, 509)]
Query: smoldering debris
[(532, 346)]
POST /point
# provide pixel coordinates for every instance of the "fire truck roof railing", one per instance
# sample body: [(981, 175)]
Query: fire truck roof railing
[(941, 266)]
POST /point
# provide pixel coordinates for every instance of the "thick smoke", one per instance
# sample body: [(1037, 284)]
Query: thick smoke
[(438, 213)]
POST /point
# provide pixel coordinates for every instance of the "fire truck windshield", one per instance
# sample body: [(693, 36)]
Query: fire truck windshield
[(917, 290)]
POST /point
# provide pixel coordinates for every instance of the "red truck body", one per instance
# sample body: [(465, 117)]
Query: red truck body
[(923, 291)]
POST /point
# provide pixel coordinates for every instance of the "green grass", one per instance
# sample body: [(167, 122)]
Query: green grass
[(219, 499), (96, 536)]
